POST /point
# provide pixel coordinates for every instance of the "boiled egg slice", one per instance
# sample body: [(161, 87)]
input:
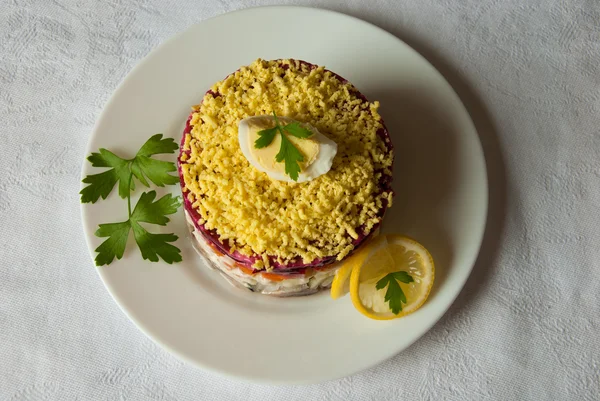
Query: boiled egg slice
[(318, 150)]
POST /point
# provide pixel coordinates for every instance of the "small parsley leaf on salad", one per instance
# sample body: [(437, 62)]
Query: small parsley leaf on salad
[(288, 153)]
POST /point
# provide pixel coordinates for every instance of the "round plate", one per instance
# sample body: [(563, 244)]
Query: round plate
[(439, 179)]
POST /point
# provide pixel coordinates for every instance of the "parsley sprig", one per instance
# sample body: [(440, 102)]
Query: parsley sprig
[(288, 153), (147, 210), (394, 295)]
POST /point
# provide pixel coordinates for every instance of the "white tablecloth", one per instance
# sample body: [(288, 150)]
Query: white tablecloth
[(526, 327)]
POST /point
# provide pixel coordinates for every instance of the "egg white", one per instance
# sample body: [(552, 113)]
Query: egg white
[(321, 165)]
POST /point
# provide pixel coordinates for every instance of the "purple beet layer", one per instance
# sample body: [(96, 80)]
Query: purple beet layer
[(296, 266)]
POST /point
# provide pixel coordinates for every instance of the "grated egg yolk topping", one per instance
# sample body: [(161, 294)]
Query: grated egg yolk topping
[(257, 215)]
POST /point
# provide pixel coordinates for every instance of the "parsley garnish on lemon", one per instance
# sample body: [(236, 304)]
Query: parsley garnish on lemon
[(394, 295)]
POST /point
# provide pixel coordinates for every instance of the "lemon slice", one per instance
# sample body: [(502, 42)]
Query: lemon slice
[(398, 254), (340, 285)]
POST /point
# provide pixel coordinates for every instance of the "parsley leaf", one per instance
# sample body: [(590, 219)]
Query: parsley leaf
[(156, 171), (291, 156), (114, 246), (148, 211), (102, 184), (297, 130), (394, 295), (152, 246), (266, 137), (156, 145), (288, 153), (142, 166)]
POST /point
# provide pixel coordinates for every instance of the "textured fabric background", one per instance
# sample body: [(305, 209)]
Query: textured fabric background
[(526, 327)]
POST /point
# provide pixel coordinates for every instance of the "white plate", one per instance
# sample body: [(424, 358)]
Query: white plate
[(440, 181)]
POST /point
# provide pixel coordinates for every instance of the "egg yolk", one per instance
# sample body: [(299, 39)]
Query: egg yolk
[(308, 147)]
